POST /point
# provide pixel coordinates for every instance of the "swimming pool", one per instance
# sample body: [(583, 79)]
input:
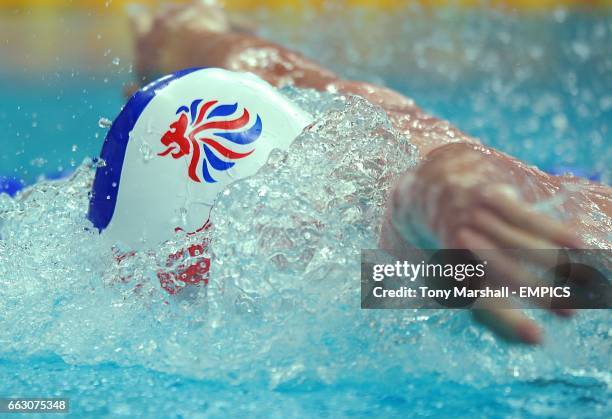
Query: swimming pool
[(281, 349)]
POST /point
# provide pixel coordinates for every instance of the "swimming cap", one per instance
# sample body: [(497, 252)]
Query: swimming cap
[(10, 185), (180, 141)]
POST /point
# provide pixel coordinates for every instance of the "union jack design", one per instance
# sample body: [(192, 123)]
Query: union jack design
[(213, 135)]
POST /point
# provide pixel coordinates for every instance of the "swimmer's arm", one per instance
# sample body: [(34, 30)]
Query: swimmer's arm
[(463, 194), (179, 36), (451, 160), (174, 39)]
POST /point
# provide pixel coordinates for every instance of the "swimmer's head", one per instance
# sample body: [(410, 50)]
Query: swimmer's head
[(180, 141)]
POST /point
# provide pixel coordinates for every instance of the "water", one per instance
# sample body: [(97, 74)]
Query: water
[(279, 332), (280, 321), (44, 118), (537, 86)]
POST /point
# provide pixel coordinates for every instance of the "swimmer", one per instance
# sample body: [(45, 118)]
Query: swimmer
[(468, 195)]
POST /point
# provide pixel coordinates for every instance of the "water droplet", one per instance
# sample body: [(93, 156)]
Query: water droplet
[(560, 14), (605, 103), (38, 162), (582, 50), (104, 122), (145, 150), (116, 61)]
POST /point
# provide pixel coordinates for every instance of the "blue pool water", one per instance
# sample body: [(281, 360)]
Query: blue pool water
[(101, 391), (50, 121), (272, 341)]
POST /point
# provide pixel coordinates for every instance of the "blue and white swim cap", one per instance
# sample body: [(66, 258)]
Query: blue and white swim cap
[(180, 141)]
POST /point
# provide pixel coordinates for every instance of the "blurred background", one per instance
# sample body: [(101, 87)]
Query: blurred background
[(533, 78)]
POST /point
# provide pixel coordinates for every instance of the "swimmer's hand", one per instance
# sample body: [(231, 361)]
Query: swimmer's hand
[(463, 195), (173, 37)]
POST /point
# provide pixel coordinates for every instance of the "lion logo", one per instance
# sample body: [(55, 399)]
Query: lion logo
[(212, 136)]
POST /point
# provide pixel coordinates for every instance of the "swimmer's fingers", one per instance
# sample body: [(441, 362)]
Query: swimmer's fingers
[(519, 214), (504, 270), (140, 19), (181, 19), (192, 17), (508, 236), (508, 323)]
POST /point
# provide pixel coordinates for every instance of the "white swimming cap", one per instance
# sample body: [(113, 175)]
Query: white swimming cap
[(180, 141)]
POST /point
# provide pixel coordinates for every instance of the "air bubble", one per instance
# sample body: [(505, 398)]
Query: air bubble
[(104, 123), (146, 151)]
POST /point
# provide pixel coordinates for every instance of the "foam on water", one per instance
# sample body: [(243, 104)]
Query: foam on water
[(533, 84), (282, 307)]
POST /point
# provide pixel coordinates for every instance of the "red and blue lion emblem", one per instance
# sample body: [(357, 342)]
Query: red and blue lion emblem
[(212, 135)]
